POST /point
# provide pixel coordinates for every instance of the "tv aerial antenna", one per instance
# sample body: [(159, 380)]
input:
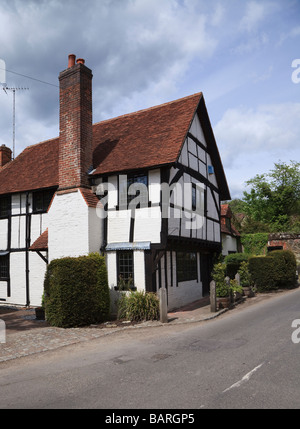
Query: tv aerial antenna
[(13, 89)]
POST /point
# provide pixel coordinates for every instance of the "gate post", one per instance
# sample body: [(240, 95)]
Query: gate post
[(2, 332), (213, 298), (163, 307)]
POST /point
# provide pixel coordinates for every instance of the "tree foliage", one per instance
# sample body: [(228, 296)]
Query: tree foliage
[(273, 202)]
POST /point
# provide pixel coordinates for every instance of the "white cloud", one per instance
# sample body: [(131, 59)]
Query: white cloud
[(291, 34), (254, 14), (269, 129), (146, 52), (138, 50)]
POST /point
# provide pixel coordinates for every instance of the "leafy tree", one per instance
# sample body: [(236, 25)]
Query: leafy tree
[(274, 197)]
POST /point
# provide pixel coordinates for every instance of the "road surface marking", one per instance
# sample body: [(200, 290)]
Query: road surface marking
[(245, 378)]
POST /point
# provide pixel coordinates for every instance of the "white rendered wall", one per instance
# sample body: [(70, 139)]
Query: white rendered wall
[(197, 131), (229, 244), (3, 234), (139, 270), (74, 228), (96, 230), (36, 278), (184, 292), (118, 226), (154, 186), (111, 264), (17, 278), (68, 233), (39, 224), (3, 290), (147, 224)]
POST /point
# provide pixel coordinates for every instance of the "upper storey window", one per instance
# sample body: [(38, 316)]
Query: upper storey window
[(41, 200), (135, 186), (5, 206)]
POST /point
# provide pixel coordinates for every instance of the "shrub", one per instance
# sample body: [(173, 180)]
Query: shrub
[(245, 275), (218, 275), (262, 273), (277, 270), (233, 262), (235, 288), (76, 291), (286, 266), (138, 306)]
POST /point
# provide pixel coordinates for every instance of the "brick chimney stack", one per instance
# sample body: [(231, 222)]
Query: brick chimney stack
[(75, 125), (5, 155)]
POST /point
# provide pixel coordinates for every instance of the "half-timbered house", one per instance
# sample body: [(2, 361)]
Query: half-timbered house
[(145, 189)]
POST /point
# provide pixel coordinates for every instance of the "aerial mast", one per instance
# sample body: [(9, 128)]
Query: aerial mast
[(14, 112), (13, 89)]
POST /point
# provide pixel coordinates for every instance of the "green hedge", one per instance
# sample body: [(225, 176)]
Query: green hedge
[(286, 267), (262, 271), (277, 270), (76, 291), (233, 262)]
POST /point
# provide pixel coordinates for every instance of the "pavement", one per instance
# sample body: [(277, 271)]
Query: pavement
[(25, 335)]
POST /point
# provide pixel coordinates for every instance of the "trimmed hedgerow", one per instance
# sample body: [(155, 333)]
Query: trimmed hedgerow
[(277, 270), (262, 273), (76, 291), (285, 261)]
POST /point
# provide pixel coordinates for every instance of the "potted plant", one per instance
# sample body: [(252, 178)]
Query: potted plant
[(236, 290), (246, 281), (223, 291)]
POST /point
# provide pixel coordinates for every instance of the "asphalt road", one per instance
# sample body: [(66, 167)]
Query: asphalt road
[(243, 359)]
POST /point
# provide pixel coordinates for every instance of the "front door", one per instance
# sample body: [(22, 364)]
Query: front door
[(206, 265)]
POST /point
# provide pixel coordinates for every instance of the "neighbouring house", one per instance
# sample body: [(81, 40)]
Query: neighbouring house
[(231, 238), (144, 189)]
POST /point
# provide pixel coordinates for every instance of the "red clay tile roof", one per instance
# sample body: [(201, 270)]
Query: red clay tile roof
[(234, 232), (227, 213), (41, 243), (226, 210), (89, 197), (35, 168), (145, 139)]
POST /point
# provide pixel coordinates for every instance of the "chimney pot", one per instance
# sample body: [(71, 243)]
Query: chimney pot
[(72, 58), (80, 61), (5, 155)]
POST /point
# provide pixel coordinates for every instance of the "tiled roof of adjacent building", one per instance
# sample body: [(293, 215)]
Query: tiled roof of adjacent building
[(40, 243), (35, 168), (227, 213)]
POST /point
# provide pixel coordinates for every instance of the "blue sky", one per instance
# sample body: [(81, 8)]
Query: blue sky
[(239, 53)]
